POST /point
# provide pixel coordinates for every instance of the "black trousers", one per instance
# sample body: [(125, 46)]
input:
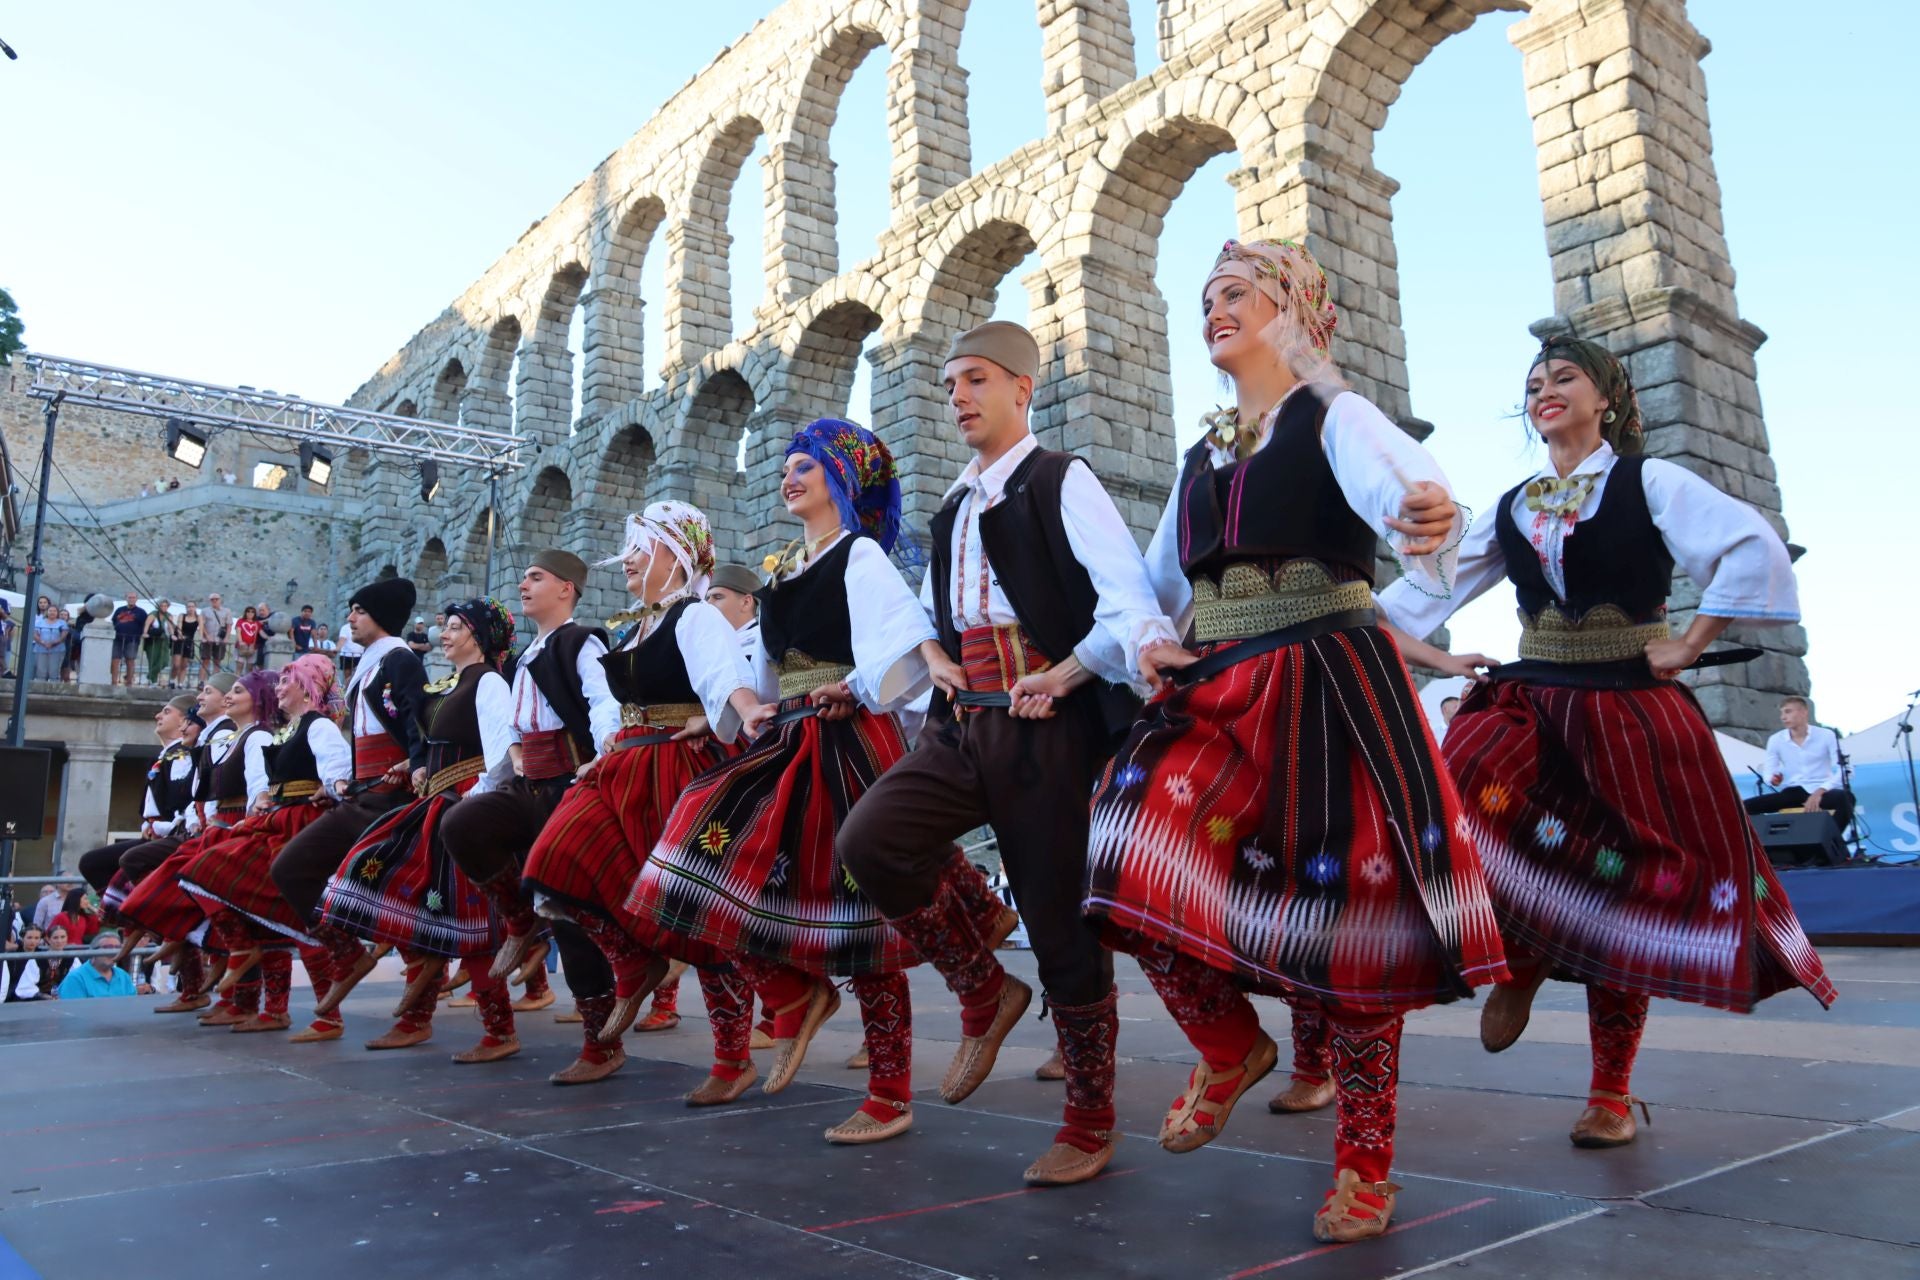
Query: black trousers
[(1838, 802), (491, 834), (98, 865), (304, 863), (1032, 782)]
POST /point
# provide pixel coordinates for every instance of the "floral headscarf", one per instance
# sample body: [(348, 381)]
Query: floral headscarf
[(683, 530), (860, 476), (1621, 425), (1287, 274), (491, 624), (313, 672)]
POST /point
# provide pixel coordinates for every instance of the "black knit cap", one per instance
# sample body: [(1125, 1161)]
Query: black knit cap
[(388, 602)]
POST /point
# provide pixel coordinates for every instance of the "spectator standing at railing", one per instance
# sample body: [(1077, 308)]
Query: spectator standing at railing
[(157, 642), (47, 908), (129, 625), (216, 622), (49, 645), (246, 635), (7, 625), (268, 629), (302, 631)]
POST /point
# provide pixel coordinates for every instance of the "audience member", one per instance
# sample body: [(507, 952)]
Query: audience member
[(49, 645), (417, 638), (7, 626), (246, 635), (78, 916), (129, 626), (185, 634), (216, 621), (98, 977), (157, 643), (27, 968), (302, 630), (263, 614), (70, 659), (49, 905)]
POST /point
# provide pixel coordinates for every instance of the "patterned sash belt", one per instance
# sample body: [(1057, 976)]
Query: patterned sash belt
[(995, 659), (1602, 634), (659, 715), (801, 675), (461, 771), (549, 753), (296, 790), (1249, 602), (374, 754)]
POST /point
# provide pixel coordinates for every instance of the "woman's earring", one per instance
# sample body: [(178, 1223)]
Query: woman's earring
[(1609, 416)]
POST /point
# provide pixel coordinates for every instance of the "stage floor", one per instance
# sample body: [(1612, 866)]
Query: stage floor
[(1784, 1144)]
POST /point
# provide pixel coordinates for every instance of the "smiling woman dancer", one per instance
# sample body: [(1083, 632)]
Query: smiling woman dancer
[(308, 764), (1278, 820), (686, 696), (747, 864), (398, 885), (1615, 845)]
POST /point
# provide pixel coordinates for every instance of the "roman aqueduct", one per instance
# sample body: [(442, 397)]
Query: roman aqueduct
[(1295, 90)]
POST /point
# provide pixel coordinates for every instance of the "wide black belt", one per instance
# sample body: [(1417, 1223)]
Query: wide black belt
[(794, 713), (983, 699), (643, 740), (1629, 673), (1220, 659)]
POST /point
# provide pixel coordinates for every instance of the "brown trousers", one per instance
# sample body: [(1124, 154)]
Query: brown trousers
[(491, 834), (304, 864), (1032, 782)]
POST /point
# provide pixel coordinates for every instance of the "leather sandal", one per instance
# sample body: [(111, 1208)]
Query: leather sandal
[(570, 1015), (1052, 1069), (490, 1050), (585, 1070), (1003, 926), (822, 1001), (221, 1016), (626, 1008), (536, 958), (262, 1022), (1182, 1130), (404, 1035), (459, 978), (1336, 1221), (425, 978), (759, 1040), (318, 1032), (1302, 1095), (859, 1060), (1504, 1016), (715, 1092), (512, 951), (184, 1003), (658, 1020), (1065, 1164), (973, 1060), (1599, 1128), (862, 1127), (344, 984), (525, 1004)]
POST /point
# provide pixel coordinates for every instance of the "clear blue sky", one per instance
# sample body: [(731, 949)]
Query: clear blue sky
[(281, 195)]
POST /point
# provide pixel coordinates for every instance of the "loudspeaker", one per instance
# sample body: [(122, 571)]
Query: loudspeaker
[(23, 792), (1801, 839)]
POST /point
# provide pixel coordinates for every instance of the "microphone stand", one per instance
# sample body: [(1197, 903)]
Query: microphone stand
[(1903, 737), (1853, 825)]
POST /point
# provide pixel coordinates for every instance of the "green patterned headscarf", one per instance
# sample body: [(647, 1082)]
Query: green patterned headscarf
[(1620, 425)]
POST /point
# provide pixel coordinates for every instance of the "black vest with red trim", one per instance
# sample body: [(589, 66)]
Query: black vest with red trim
[(395, 694), (653, 672), (203, 765), (450, 721), (807, 612), (170, 795), (1052, 594), (293, 760), (1283, 503), (1615, 556), (555, 671), (229, 788)]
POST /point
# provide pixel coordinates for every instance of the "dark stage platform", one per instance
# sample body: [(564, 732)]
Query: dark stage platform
[(1785, 1144)]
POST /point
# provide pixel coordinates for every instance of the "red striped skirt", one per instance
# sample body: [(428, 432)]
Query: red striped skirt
[(592, 848), (159, 903), (1616, 846), (746, 859), (1287, 821), (399, 885), (235, 873)]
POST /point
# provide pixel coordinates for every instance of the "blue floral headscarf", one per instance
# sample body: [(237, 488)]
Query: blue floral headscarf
[(860, 476)]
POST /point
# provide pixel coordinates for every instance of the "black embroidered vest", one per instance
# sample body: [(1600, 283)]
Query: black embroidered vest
[(653, 673), (450, 721), (808, 612), (293, 760), (555, 671), (1282, 503), (1616, 556), (229, 789)]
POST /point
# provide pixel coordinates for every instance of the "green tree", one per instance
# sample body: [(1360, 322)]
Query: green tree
[(10, 328)]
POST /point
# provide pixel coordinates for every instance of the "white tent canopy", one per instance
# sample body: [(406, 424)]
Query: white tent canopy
[(1879, 743)]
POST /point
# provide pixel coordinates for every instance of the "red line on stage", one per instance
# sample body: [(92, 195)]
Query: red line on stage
[(236, 1146), (1275, 1265), (952, 1204)]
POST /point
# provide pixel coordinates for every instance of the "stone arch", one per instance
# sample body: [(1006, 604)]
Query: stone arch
[(448, 388), (965, 266), (543, 400), (820, 373), (805, 204), (488, 403), (545, 510), (700, 462), (406, 409), (699, 306), (615, 346), (430, 569)]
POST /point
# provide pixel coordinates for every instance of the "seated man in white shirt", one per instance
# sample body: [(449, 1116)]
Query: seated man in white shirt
[(1803, 761)]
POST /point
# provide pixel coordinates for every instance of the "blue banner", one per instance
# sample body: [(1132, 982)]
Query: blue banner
[(1888, 822)]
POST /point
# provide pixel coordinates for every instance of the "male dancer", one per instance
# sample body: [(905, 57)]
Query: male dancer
[(1036, 588), (169, 792), (562, 713), (383, 701)]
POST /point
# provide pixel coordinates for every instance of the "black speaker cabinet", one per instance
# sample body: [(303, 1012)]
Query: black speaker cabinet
[(23, 792), (1801, 839)]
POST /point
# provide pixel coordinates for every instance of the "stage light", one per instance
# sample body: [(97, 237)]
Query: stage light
[(186, 444), (316, 464), (429, 480)]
